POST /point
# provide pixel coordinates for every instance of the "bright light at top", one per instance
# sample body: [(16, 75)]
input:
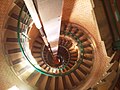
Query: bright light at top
[(14, 88)]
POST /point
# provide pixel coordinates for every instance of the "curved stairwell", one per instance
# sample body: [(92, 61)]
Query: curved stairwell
[(70, 52), (17, 61), (36, 66)]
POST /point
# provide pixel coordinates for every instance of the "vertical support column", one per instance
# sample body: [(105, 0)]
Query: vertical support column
[(51, 12), (32, 10)]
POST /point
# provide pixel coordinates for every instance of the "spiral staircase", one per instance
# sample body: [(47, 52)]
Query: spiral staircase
[(74, 65)]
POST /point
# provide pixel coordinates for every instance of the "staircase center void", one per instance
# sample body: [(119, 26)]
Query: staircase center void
[(58, 60)]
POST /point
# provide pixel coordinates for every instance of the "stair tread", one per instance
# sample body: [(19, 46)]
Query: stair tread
[(60, 84), (82, 70), (65, 84), (103, 86), (41, 83), (49, 81), (113, 66), (110, 76), (17, 61), (33, 78)]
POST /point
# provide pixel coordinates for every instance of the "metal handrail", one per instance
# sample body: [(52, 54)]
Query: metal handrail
[(115, 32), (117, 10)]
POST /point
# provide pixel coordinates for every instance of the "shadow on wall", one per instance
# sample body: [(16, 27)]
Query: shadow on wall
[(67, 9)]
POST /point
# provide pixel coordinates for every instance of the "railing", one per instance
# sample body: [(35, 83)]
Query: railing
[(118, 71), (111, 15), (116, 43), (117, 12), (22, 31)]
